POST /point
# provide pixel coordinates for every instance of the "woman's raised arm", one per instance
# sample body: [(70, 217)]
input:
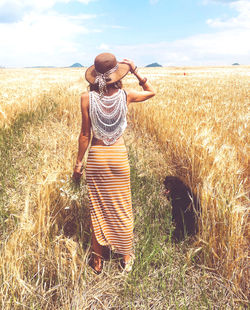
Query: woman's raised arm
[(146, 93)]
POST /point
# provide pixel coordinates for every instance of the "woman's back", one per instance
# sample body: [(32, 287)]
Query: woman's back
[(108, 116)]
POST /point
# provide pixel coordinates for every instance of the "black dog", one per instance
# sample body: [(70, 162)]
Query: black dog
[(185, 207)]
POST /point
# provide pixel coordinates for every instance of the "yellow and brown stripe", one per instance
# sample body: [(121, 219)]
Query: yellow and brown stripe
[(108, 180)]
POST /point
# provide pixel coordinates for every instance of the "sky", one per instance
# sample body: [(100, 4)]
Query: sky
[(170, 32)]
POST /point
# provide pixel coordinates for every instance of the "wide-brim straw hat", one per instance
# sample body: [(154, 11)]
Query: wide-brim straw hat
[(103, 63)]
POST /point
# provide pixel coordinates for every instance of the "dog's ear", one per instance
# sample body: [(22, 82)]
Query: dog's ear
[(168, 180)]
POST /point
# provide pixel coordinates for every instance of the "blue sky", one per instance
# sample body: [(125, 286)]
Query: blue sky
[(172, 33)]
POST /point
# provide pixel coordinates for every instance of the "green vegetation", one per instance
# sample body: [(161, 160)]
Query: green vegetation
[(16, 156)]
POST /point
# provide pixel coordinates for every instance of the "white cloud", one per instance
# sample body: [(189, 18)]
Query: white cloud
[(82, 17), (14, 10), (84, 1), (221, 48), (242, 20), (37, 4), (31, 33), (116, 27), (104, 47), (40, 38)]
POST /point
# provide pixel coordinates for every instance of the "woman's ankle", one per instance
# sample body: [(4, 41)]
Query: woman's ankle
[(127, 262), (97, 258), (96, 263), (126, 258)]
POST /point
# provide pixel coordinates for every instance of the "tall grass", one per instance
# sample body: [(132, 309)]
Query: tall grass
[(46, 243), (22, 90), (201, 125), (37, 259)]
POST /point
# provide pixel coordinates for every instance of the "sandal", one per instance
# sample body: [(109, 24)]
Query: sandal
[(93, 265)]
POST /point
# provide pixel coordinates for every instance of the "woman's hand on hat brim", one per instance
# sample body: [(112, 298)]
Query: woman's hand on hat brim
[(130, 63)]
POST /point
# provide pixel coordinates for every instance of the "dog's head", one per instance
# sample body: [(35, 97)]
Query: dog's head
[(174, 187)]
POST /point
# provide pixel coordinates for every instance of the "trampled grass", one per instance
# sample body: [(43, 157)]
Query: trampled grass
[(45, 244)]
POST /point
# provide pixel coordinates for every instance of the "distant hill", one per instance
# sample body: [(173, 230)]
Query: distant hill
[(236, 64), (155, 64), (76, 65)]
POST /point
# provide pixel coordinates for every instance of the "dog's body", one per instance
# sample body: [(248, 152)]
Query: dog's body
[(185, 207)]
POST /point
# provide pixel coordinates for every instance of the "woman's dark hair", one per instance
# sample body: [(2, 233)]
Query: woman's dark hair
[(95, 87)]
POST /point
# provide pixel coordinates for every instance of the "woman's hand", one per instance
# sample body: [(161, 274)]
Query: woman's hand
[(77, 173), (130, 63)]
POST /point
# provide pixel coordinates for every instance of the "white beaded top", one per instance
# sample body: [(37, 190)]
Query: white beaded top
[(108, 115)]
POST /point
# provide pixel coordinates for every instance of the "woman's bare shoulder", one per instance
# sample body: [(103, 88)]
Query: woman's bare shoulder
[(85, 100), (85, 96)]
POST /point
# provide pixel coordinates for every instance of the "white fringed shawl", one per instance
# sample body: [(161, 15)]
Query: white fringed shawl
[(108, 115)]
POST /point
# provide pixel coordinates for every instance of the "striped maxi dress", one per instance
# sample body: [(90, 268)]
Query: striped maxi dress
[(108, 181), (108, 174)]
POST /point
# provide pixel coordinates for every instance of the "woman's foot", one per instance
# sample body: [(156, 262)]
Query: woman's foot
[(96, 263), (127, 262)]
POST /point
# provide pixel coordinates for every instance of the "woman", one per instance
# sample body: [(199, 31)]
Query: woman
[(104, 111)]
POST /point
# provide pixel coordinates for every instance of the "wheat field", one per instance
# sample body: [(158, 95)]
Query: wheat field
[(201, 122), (196, 127)]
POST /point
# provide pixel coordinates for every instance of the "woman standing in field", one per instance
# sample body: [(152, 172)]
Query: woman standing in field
[(104, 111)]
